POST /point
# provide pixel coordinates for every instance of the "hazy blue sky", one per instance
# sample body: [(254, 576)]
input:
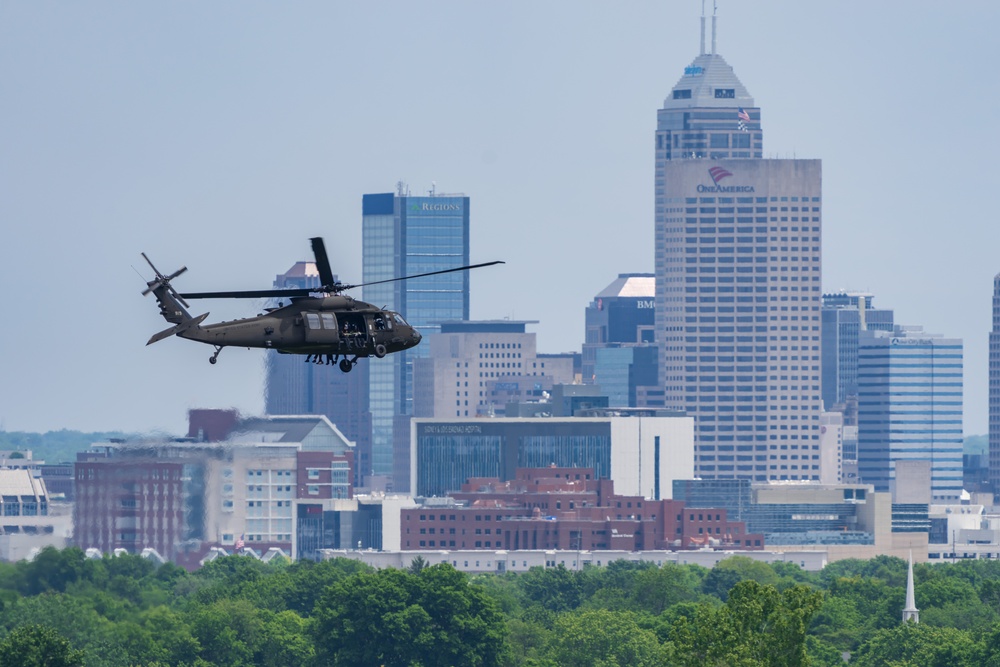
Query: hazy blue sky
[(223, 135)]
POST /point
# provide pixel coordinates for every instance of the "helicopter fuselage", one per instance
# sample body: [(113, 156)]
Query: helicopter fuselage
[(331, 325)]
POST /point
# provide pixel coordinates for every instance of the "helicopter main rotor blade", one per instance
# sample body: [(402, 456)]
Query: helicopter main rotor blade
[(322, 261), (422, 275), (250, 294)]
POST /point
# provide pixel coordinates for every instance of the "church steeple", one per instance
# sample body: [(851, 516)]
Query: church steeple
[(910, 611)]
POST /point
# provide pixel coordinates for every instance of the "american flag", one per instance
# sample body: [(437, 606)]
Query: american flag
[(744, 118), (239, 542)]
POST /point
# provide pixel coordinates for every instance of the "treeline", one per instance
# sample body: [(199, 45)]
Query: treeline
[(55, 446), (63, 609)]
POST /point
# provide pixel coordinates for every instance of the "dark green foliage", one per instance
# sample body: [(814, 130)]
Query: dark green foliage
[(732, 571), (554, 589), (920, 645), (397, 618), (38, 646), (758, 625), (125, 611), (603, 638)]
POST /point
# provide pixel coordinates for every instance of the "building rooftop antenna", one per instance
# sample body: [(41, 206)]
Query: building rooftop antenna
[(715, 9), (702, 52)]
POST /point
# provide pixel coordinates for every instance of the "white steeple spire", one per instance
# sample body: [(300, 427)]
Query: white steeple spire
[(910, 611)]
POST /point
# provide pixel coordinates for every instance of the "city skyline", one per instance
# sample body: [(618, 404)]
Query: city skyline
[(223, 142)]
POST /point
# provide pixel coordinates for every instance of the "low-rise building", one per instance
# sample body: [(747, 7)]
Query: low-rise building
[(182, 498), (28, 522), (642, 452), (566, 509)]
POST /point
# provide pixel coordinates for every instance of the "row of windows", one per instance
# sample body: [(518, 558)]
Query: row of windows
[(744, 200)]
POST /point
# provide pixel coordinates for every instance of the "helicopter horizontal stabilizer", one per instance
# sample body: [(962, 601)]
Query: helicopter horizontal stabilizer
[(176, 329)]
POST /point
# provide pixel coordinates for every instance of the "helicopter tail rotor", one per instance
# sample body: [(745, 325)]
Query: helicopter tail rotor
[(163, 281), (173, 307)]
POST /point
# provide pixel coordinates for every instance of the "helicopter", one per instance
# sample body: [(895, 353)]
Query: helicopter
[(319, 322)]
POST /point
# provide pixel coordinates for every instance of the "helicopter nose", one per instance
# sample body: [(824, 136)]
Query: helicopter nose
[(416, 337)]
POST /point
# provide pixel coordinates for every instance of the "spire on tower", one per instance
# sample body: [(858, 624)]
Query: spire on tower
[(910, 611), (715, 9), (702, 52)]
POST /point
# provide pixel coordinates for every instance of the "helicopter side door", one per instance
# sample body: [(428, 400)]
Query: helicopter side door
[(321, 327)]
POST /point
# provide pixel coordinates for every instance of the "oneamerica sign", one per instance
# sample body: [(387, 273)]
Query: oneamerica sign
[(719, 173), (726, 188)]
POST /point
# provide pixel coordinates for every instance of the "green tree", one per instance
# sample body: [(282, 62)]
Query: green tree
[(55, 570), (602, 638), (229, 631), (758, 625), (919, 644), (396, 618), (38, 646), (660, 588), (526, 641), (555, 588), (729, 572), (838, 622)]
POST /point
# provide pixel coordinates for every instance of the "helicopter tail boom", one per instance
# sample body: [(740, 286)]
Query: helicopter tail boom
[(177, 328)]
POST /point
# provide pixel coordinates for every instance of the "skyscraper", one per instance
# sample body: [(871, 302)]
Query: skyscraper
[(845, 315), (621, 313), (468, 362), (405, 235), (910, 408), (737, 281), (994, 392)]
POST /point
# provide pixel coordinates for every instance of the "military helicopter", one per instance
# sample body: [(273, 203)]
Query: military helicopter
[(319, 322)]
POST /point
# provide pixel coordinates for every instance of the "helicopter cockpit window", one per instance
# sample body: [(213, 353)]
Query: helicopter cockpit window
[(312, 320), (399, 319), (382, 323), (329, 321)]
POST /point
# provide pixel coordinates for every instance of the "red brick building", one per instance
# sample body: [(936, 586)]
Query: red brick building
[(565, 508)]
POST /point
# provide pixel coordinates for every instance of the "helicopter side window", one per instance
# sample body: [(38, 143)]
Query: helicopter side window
[(312, 320), (329, 321), (381, 323)]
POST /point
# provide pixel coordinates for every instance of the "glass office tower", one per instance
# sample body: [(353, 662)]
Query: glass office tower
[(404, 235), (910, 408), (845, 316), (994, 391)]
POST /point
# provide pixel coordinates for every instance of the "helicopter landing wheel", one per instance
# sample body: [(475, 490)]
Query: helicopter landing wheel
[(215, 357), (346, 365), (380, 350)]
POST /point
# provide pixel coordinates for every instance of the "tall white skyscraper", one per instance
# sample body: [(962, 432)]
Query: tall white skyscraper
[(738, 247)]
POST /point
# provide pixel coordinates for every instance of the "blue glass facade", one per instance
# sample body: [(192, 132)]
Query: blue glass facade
[(910, 408), (404, 235), (842, 325), (620, 371), (448, 454)]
